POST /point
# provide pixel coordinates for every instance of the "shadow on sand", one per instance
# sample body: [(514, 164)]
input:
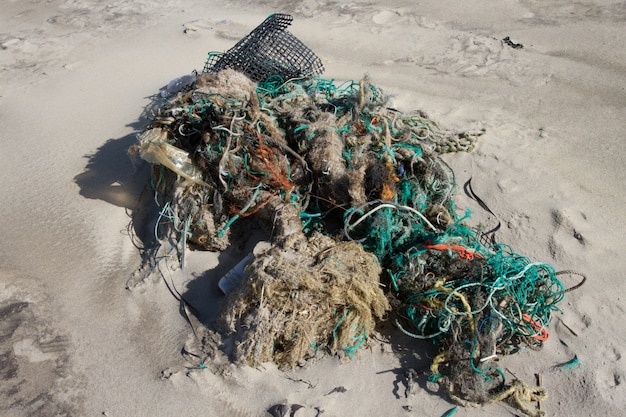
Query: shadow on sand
[(111, 175)]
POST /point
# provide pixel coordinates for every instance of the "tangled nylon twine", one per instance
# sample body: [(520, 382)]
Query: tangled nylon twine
[(306, 157)]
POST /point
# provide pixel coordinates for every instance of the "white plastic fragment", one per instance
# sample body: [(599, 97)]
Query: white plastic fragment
[(233, 278)]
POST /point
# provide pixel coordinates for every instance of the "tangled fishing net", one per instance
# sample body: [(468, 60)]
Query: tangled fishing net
[(317, 293), (355, 197)]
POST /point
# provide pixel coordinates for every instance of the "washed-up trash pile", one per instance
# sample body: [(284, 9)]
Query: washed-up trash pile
[(360, 210)]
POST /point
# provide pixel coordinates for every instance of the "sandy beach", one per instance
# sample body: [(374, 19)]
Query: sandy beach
[(81, 79)]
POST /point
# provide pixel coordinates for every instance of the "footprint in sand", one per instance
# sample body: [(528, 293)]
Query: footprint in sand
[(224, 28), (558, 12), (36, 377), (229, 30), (568, 237), (611, 376), (519, 224), (468, 54), (385, 17)]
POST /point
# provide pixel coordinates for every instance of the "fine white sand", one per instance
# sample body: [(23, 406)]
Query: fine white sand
[(76, 82)]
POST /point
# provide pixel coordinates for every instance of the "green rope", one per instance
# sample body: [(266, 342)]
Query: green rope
[(233, 219)]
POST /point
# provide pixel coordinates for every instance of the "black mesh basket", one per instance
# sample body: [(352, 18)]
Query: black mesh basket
[(270, 49)]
